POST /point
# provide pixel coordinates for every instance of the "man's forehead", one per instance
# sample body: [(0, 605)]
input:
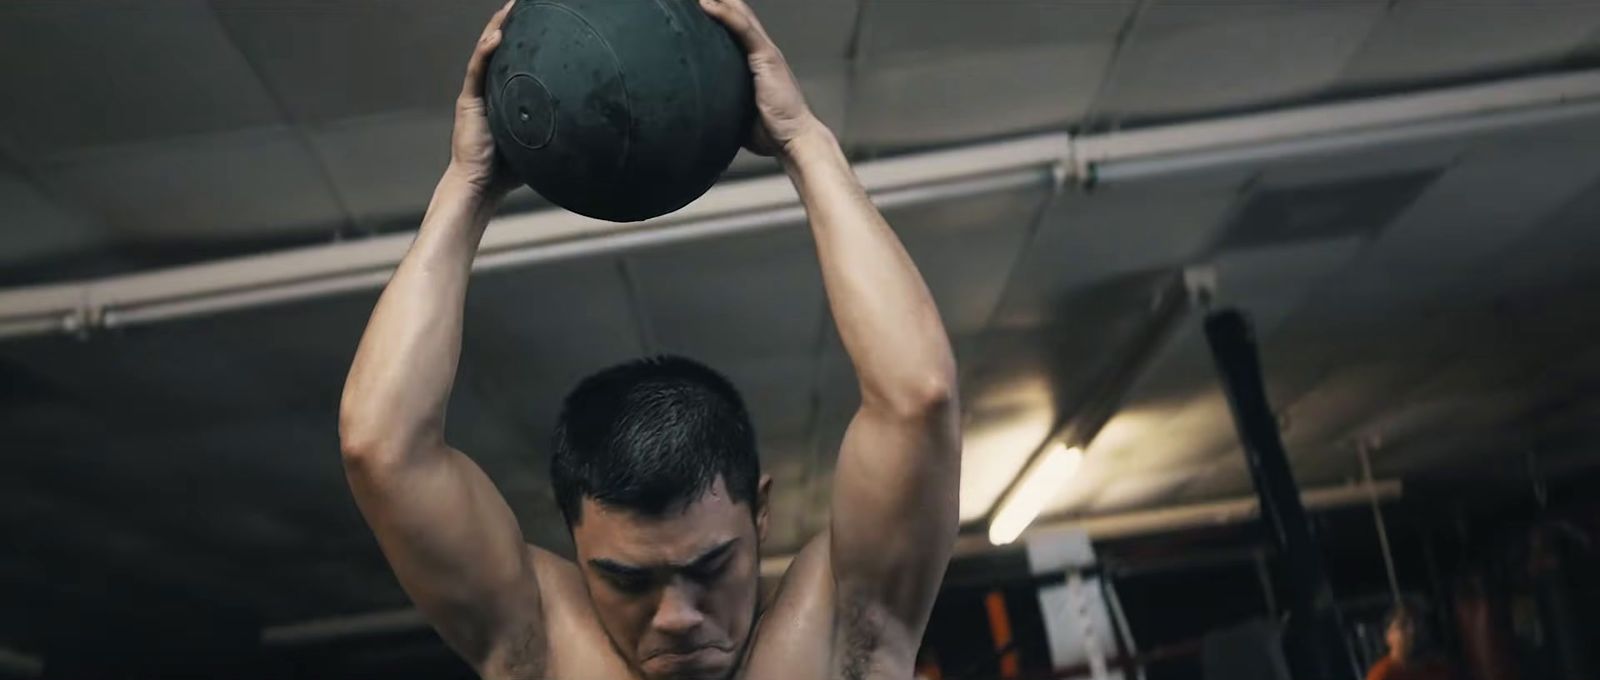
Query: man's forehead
[(711, 502), (668, 559), (677, 536)]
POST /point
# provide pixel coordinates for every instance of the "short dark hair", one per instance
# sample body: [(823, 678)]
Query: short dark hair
[(650, 434)]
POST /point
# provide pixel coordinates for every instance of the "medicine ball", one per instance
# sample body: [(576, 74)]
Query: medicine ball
[(620, 110)]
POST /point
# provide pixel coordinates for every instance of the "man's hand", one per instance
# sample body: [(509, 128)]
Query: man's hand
[(472, 153), (784, 115)]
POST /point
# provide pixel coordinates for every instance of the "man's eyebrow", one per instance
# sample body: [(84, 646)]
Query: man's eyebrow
[(705, 559), (700, 562), (618, 568)]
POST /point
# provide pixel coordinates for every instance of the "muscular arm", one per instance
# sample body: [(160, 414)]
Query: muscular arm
[(895, 489), (447, 532)]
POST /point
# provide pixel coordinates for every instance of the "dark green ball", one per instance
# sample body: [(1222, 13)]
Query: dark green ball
[(620, 110)]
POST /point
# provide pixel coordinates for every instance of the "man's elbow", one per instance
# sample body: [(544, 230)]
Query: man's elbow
[(361, 445), (367, 443), (926, 396)]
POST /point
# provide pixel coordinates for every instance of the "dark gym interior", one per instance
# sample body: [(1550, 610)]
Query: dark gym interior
[(1397, 201)]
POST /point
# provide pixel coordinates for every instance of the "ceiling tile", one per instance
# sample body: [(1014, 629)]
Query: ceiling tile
[(327, 61), (955, 70), (751, 295), (99, 73), (1560, 253), (1188, 59), (532, 333), (949, 99), (966, 248), (1425, 40), (1498, 195), (813, 34), (385, 167), (330, 60), (1270, 283), (1088, 239), (245, 185), (1360, 207), (778, 393), (36, 228), (908, 30)]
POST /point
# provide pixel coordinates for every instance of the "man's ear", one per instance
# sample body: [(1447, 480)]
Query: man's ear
[(763, 493)]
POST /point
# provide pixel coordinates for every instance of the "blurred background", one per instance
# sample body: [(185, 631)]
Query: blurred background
[(202, 197)]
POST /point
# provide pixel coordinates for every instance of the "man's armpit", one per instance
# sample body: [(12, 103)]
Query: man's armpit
[(523, 656), (869, 642)]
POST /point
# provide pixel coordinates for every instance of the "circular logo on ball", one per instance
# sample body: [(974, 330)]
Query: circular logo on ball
[(528, 111)]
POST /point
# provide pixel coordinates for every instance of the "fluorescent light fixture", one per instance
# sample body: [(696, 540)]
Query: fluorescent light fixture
[(1038, 485)]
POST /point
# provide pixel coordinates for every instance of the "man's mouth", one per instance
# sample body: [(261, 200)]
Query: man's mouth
[(692, 657)]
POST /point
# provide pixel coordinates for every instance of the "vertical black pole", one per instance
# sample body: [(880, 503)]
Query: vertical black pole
[(1314, 640)]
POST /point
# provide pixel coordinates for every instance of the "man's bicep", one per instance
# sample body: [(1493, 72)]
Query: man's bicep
[(894, 516), (455, 547)]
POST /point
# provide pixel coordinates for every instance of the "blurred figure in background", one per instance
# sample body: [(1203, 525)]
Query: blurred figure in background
[(1410, 654)]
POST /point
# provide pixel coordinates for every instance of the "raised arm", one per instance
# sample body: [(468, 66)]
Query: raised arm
[(447, 532), (895, 488)]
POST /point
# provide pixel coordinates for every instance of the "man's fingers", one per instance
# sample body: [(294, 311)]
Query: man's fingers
[(472, 85), (738, 6), (740, 21)]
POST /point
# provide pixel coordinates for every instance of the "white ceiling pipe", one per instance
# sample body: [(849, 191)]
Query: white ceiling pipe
[(551, 252), (510, 241), (1521, 94), (1130, 167), (333, 268), (18, 664), (38, 325)]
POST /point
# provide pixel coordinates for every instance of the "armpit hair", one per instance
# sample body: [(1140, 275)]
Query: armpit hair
[(858, 637)]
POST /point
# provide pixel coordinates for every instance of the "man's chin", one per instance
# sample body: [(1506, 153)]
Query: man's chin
[(708, 663)]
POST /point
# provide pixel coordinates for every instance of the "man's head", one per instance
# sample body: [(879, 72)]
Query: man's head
[(656, 472), (1404, 632)]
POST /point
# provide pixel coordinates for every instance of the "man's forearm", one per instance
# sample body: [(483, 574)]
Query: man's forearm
[(885, 315), (400, 380)]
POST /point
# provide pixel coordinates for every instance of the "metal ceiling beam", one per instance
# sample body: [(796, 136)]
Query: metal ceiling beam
[(1187, 517), (1102, 527), (768, 202), (18, 664)]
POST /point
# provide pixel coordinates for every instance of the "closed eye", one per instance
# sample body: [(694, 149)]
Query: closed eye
[(628, 583), (622, 577), (712, 564)]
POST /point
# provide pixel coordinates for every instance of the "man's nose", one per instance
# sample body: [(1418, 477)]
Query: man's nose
[(678, 613)]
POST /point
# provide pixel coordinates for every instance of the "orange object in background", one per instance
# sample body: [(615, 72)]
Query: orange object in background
[(1000, 630), (1389, 669), (928, 666), (1482, 620)]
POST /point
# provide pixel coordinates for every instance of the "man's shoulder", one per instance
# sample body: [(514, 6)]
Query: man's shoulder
[(795, 632), (559, 571), (808, 578), (563, 595), (578, 646)]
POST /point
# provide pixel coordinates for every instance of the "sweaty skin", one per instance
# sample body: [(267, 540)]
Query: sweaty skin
[(671, 596)]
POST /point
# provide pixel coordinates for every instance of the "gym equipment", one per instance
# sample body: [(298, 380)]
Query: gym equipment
[(1314, 640), (620, 110)]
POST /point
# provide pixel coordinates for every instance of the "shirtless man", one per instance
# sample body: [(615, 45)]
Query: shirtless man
[(654, 462)]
